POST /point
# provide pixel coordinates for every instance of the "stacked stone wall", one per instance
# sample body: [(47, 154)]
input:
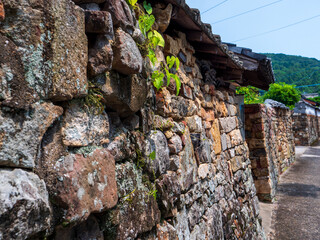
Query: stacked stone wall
[(269, 135), (306, 129), (149, 165)]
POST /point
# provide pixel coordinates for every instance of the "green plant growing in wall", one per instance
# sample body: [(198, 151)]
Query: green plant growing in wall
[(153, 192), (129, 197), (251, 94), (93, 100), (141, 162), (153, 40)]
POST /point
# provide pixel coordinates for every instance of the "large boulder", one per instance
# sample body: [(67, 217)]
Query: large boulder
[(137, 211), (83, 183), (156, 143), (169, 191), (188, 169), (98, 22), (121, 13), (24, 204), (21, 133), (100, 56), (44, 52), (125, 95), (163, 17), (81, 127), (127, 57)]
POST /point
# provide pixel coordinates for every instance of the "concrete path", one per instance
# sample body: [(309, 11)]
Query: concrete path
[(297, 212)]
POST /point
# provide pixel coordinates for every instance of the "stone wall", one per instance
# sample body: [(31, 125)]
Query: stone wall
[(306, 125), (151, 165), (306, 129), (271, 144)]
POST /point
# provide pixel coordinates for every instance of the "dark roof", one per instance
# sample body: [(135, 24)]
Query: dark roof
[(258, 67), (228, 62), (310, 102)]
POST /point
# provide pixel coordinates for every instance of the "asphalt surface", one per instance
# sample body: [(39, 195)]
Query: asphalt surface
[(297, 214)]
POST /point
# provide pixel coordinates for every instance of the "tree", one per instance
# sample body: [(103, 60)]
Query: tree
[(251, 94), (284, 93)]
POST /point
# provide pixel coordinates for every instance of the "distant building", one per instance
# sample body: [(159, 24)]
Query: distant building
[(310, 95), (306, 125)]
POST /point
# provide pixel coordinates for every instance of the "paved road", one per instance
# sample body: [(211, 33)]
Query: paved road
[(298, 199)]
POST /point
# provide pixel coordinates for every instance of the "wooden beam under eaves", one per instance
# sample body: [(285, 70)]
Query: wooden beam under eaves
[(231, 74), (208, 48), (219, 66), (199, 37)]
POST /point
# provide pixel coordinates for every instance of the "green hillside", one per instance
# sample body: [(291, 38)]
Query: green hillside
[(296, 70)]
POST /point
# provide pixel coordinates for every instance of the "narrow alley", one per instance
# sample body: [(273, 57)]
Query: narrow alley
[(298, 199)]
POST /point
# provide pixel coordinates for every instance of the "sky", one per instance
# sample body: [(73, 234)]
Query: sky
[(301, 39)]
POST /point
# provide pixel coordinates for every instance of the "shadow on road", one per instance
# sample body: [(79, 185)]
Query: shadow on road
[(298, 190)]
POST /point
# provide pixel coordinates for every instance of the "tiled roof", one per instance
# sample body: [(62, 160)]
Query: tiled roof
[(227, 60)]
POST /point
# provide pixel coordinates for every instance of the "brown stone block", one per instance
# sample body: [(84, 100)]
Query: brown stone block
[(207, 115), (98, 22), (215, 136), (236, 163), (263, 186), (257, 143), (264, 162), (260, 172), (47, 55), (187, 91), (253, 163), (223, 109), (125, 95), (2, 12), (163, 17), (121, 13), (259, 135), (100, 56), (252, 108), (126, 55), (84, 184), (236, 137), (21, 133), (172, 46)]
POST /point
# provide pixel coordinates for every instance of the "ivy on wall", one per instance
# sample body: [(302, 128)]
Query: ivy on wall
[(153, 40)]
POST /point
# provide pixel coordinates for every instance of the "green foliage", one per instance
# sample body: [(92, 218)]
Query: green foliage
[(129, 197), (93, 100), (152, 155), (297, 70), (145, 23), (315, 99), (155, 39), (141, 162), (153, 192), (147, 7), (152, 56), (157, 77), (251, 94), (169, 66), (132, 2), (284, 93), (173, 60), (65, 223)]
